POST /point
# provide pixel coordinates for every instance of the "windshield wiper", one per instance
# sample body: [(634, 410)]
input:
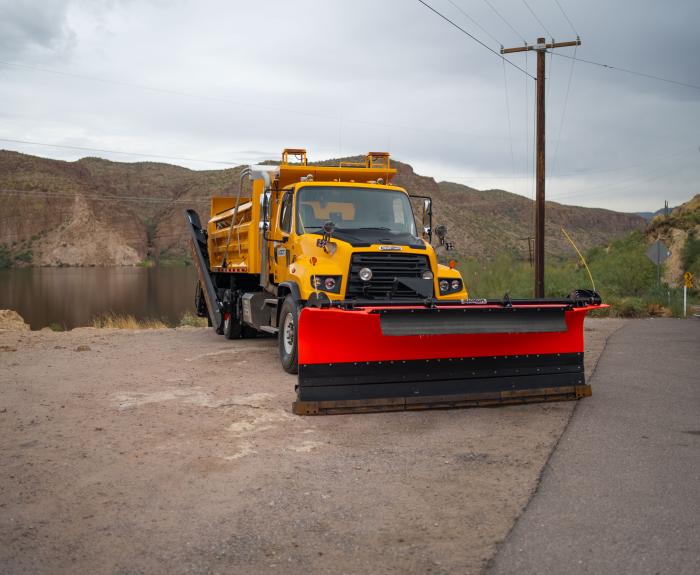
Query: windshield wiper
[(382, 229)]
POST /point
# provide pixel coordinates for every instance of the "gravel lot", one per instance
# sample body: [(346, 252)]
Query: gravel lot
[(175, 451)]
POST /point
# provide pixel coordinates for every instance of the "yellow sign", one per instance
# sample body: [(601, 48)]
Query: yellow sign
[(688, 279)]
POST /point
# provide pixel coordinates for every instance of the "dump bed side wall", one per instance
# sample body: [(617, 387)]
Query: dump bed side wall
[(240, 245)]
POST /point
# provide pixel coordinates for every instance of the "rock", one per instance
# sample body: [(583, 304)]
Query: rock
[(10, 320), (83, 348)]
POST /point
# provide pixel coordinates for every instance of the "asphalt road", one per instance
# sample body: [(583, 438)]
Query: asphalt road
[(621, 492)]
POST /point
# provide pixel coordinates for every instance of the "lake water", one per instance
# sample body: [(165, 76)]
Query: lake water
[(71, 297)]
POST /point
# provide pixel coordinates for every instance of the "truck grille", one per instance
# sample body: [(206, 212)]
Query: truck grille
[(385, 267)]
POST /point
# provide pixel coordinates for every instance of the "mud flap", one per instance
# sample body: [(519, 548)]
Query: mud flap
[(403, 358)]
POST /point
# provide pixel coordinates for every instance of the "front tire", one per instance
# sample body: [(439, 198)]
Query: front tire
[(287, 338)]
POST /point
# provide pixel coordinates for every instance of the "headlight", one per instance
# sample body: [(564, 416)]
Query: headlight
[(427, 275), (449, 285), (365, 274), (326, 283)]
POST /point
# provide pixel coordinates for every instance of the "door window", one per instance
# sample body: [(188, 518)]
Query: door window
[(286, 213)]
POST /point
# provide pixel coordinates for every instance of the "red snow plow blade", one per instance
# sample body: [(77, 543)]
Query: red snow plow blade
[(361, 358)]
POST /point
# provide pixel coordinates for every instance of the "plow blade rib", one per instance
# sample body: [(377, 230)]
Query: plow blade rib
[(377, 359)]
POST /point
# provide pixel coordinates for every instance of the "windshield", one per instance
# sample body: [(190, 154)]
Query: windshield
[(354, 209)]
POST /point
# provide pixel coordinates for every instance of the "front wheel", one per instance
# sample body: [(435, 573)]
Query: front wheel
[(287, 338)]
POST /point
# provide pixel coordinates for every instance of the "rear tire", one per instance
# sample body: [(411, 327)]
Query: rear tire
[(287, 337), (219, 329), (232, 327)]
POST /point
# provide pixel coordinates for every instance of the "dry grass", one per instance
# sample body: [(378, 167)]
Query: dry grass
[(189, 319), (125, 321)]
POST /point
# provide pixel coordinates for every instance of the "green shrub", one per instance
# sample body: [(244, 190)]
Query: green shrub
[(690, 255), (5, 256), (189, 319), (627, 307), (623, 274), (24, 257), (623, 268)]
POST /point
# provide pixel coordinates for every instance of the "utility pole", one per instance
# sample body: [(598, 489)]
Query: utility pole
[(541, 48)]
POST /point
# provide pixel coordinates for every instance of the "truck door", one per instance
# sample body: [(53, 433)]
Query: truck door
[(282, 255)]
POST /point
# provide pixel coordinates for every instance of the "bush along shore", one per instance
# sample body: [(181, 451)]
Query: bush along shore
[(10, 320), (624, 276)]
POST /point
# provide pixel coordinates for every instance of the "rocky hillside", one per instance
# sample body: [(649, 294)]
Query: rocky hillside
[(98, 212), (486, 223), (680, 231)]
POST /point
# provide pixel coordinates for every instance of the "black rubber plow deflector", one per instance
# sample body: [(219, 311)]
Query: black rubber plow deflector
[(458, 321), (430, 383)]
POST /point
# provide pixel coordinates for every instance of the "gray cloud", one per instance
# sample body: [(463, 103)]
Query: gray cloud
[(40, 27), (347, 77)]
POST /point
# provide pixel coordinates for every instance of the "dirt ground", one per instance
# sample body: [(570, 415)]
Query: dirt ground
[(175, 451)]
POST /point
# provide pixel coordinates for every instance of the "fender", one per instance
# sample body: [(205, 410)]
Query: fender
[(290, 287)]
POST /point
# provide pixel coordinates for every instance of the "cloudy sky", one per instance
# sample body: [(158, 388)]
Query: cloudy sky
[(207, 83)]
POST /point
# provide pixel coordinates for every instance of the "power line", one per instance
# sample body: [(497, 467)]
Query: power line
[(563, 114), (527, 136), (86, 149), (536, 18), (239, 104), (549, 78), (567, 18), (694, 86), (473, 37), (518, 34), (510, 129), (547, 99), (617, 187), (627, 181), (164, 90), (479, 26), (584, 172)]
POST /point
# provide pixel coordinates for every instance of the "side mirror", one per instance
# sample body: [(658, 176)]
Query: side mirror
[(441, 232), (328, 228)]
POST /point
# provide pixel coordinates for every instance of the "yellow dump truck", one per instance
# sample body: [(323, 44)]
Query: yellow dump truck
[(331, 261)]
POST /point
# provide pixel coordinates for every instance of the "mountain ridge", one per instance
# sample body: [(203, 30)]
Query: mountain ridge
[(93, 212)]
